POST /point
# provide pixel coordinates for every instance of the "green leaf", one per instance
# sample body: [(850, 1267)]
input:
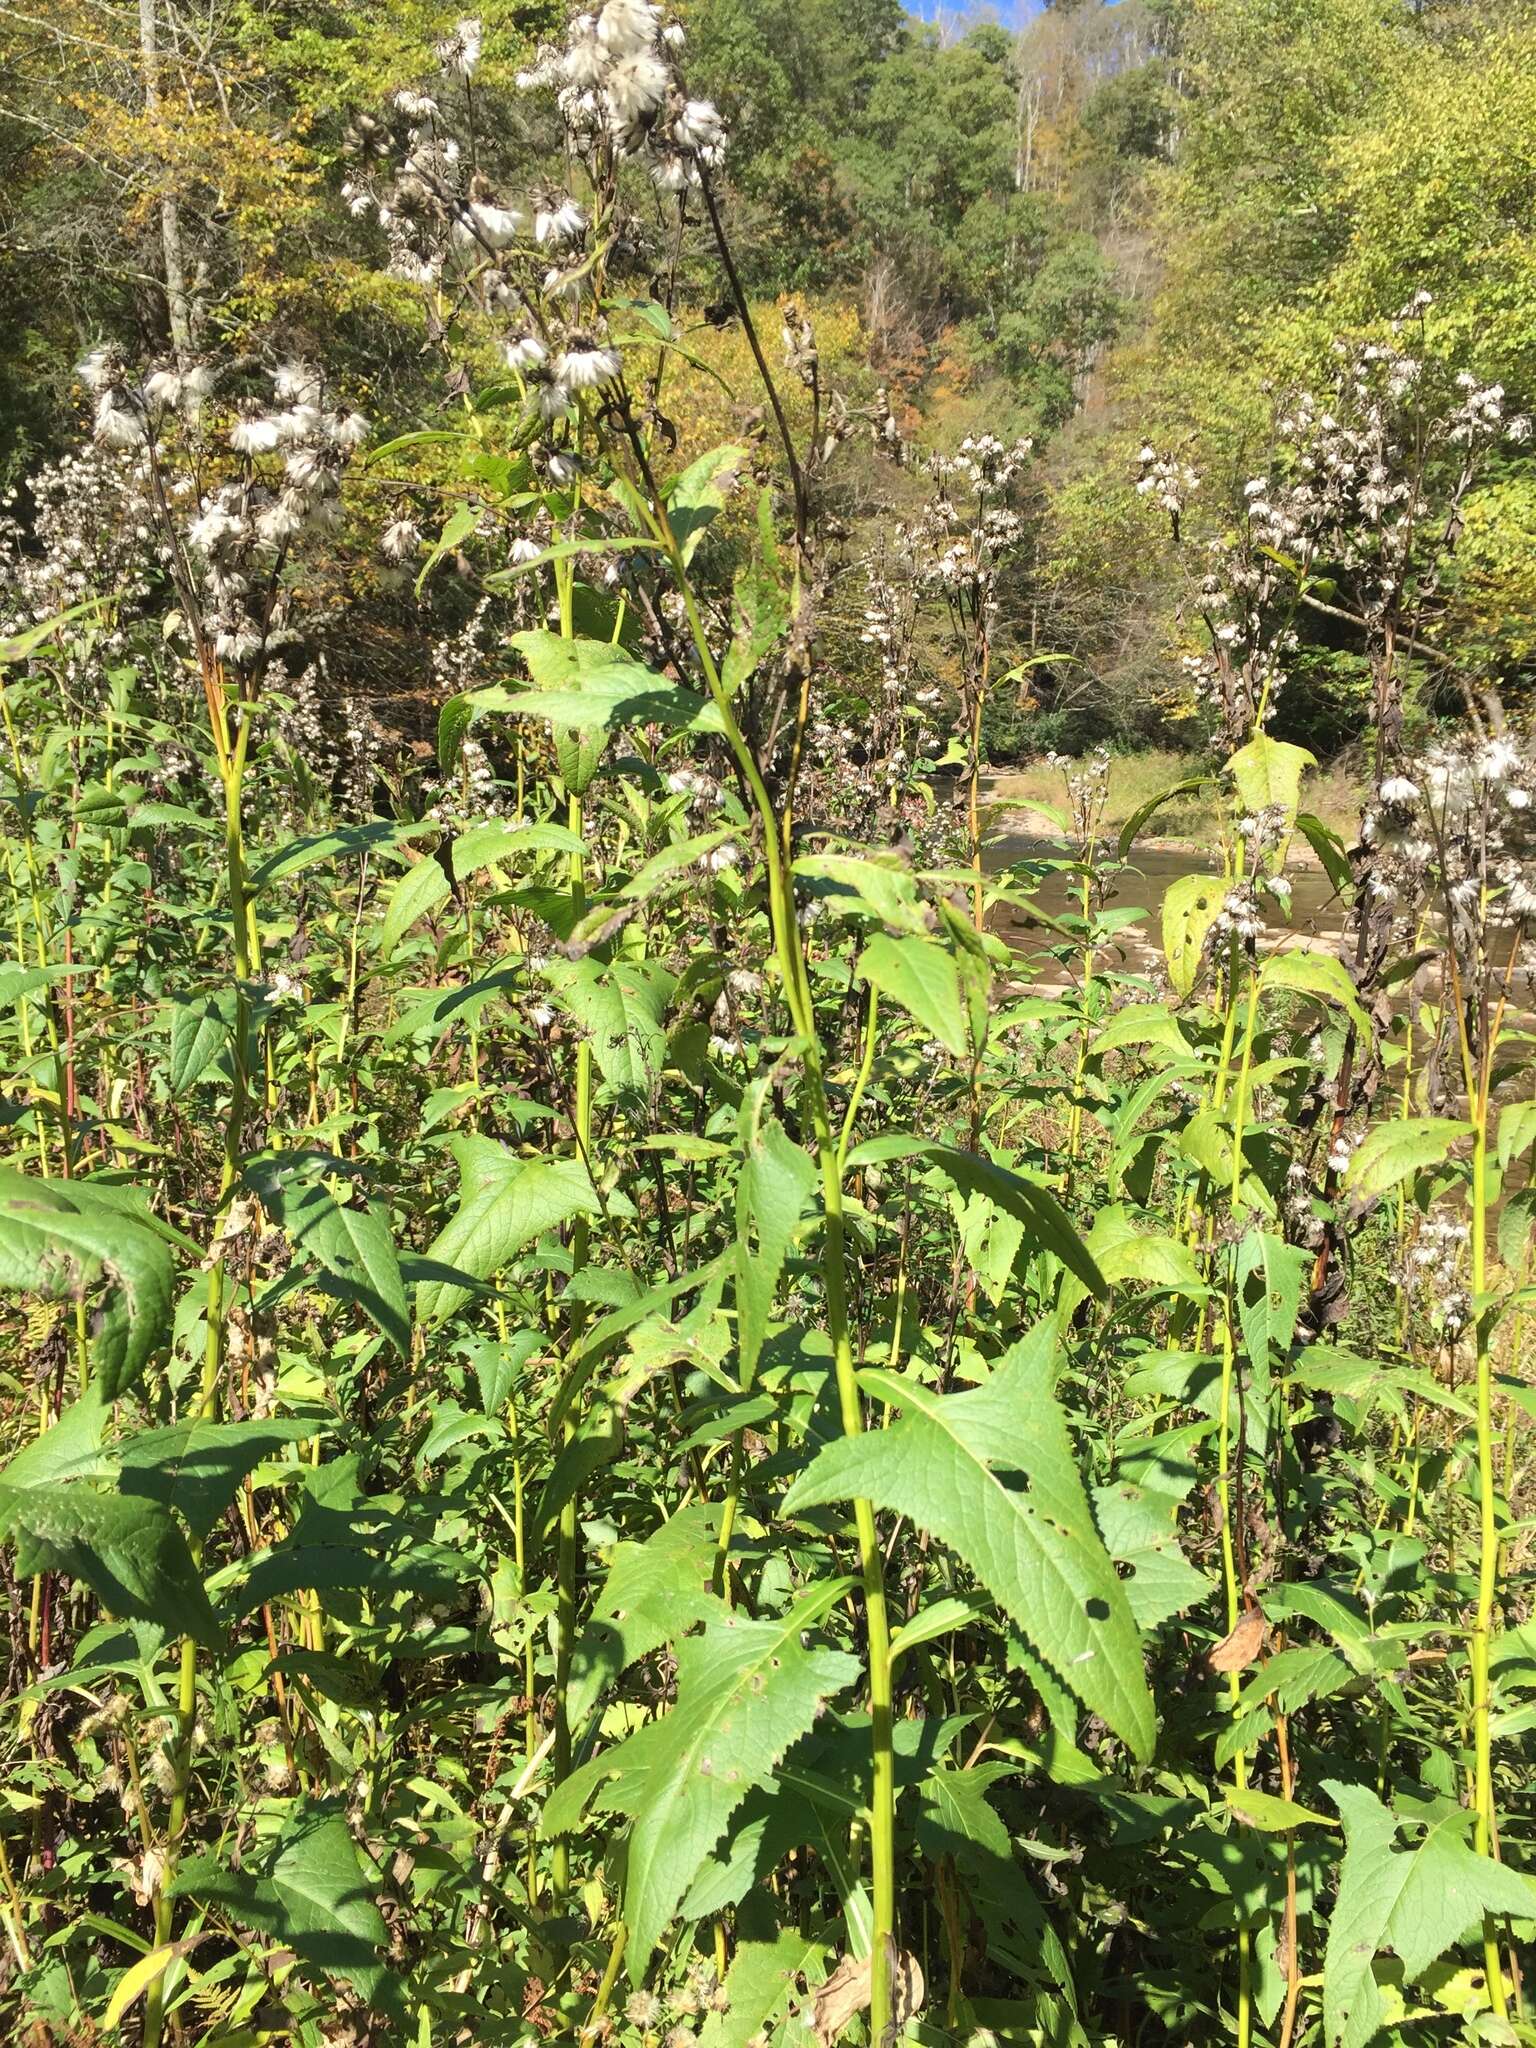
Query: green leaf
[(311, 1896), (1418, 1903), (1318, 974), (72, 1449), (924, 977), (504, 1203), (953, 1811), (457, 527), (654, 1590), (1131, 829), (694, 498), (1328, 847), (953, 1463), (1190, 908), (1516, 1130), (884, 889), (419, 890), (1268, 777), (1047, 1226), (1392, 1152), (59, 1240), (353, 1244), (582, 685), (197, 1467), (760, 612), (1270, 1815), (1140, 1531), (777, 1179), (1514, 1228), (343, 842), (1270, 1276), (746, 1690), (129, 1551), (763, 1978), (1122, 1252), (622, 1008), (1143, 1024)]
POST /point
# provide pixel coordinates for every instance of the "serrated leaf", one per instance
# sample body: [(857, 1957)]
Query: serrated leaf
[(1143, 1024), (1140, 1531), (763, 1978), (129, 1551), (746, 1690), (1390, 1153), (699, 493), (352, 1242), (992, 1474), (654, 1591), (882, 889), (777, 1179), (622, 1008), (196, 1467), (57, 1240), (504, 1204), (1269, 1276), (1272, 1816), (1047, 1226), (72, 1449), (1318, 974), (1328, 847), (595, 685), (378, 835), (1417, 1902), (1268, 777), (419, 890)]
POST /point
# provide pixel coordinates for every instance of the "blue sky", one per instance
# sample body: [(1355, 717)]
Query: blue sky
[(1010, 12)]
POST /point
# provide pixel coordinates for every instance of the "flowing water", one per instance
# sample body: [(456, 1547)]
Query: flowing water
[(1316, 914)]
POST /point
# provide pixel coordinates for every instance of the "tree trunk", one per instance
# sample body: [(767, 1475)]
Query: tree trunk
[(178, 304)]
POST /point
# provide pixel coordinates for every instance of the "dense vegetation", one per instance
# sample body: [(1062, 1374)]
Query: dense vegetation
[(654, 1388)]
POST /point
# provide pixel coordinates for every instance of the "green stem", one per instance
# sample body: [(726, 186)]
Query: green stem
[(1488, 1550), (232, 759)]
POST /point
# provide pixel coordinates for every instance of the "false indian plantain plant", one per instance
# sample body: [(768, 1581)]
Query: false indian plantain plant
[(623, 1425)]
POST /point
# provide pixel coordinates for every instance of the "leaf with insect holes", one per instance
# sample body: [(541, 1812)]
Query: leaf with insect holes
[(992, 1474), (746, 1690), (1190, 907), (622, 1008), (63, 1242), (504, 1204), (1269, 1276), (1417, 1902)]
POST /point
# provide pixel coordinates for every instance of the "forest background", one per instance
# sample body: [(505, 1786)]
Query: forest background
[(1117, 225)]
